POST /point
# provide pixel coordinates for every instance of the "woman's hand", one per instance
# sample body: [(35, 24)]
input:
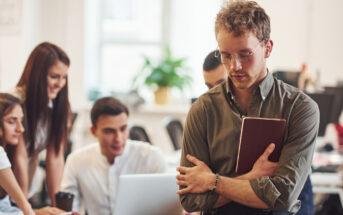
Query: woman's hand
[(49, 211)]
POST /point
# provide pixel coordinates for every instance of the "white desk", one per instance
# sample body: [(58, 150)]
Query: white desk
[(329, 183)]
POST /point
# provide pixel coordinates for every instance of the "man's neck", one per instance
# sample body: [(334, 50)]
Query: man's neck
[(110, 160), (243, 98)]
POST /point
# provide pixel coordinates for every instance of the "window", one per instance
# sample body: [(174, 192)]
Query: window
[(129, 30)]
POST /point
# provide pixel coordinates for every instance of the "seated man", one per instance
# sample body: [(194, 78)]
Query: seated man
[(213, 70), (92, 173)]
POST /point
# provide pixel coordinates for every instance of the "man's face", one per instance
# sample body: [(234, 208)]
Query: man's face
[(215, 76), (112, 134), (244, 58)]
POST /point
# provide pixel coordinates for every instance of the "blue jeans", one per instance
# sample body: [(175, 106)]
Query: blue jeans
[(306, 198)]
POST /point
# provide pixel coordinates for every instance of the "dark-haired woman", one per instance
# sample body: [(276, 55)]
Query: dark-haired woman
[(11, 128), (43, 89)]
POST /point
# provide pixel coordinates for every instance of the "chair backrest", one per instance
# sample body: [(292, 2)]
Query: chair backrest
[(325, 103), (138, 133), (175, 131), (337, 106)]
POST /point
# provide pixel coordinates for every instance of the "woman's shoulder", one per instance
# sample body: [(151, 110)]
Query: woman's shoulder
[(4, 162)]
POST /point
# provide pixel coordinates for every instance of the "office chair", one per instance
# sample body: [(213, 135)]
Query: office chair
[(325, 103), (139, 133), (337, 106), (175, 131)]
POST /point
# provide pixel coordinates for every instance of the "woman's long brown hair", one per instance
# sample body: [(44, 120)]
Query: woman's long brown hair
[(34, 83)]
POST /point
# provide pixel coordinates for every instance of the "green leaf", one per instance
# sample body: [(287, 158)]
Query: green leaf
[(168, 72)]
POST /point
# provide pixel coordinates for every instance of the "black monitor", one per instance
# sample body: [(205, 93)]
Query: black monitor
[(289, 77), (325, 102), (337, 104)]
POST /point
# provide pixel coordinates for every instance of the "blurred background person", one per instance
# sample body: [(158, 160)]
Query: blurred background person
[(43, 89), (92, 172), (213, 70)]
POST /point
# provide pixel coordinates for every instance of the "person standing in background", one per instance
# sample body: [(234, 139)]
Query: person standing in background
[(43, 89), (213, 70)]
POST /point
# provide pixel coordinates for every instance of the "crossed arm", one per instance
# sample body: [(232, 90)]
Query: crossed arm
[(200, 178)]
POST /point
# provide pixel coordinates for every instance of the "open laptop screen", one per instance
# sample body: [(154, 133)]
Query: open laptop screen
[(148, 194)]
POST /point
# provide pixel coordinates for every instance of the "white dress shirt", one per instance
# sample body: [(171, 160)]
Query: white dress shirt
[(94, 181)]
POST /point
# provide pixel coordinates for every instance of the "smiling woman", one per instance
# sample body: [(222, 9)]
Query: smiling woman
[(43, 89), (56, 78)]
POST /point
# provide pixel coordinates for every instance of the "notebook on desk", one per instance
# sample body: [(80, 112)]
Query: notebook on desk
[(148, 194)]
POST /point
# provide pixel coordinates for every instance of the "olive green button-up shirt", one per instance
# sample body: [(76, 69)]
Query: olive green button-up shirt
[(212, 132)]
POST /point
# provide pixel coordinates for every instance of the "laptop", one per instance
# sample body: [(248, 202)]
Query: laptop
[(148, 194)]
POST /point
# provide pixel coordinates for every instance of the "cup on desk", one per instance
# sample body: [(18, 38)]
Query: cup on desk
[(64, 201)]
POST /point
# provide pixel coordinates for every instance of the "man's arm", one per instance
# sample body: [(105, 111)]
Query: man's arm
[(262, 167), (281, 190), (200, 179), (54, 170), (195, 143), (70, 182), (156, 163)]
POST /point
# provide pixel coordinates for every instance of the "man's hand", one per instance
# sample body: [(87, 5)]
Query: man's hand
[(197, 179), (48, 211), (264, 167)]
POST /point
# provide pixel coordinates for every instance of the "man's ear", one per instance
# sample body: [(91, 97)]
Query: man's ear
[(92, 129), (268, 48)]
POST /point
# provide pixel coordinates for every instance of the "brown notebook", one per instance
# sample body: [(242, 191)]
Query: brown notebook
[(256, 134)]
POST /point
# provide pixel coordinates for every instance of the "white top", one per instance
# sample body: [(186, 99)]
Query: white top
[(4, 162), (94, 181), (5, 204)]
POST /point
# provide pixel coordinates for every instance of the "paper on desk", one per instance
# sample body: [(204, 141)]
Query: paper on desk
[(327, 158)]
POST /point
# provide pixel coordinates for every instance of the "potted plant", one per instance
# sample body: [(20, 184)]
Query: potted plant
[(163, 75)]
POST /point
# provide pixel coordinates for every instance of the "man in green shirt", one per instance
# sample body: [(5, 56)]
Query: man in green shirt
[(208, 180)]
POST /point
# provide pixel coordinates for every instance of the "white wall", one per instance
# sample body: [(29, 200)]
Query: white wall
[(326, 47), (57, 21), (192, 35), (15, 46)]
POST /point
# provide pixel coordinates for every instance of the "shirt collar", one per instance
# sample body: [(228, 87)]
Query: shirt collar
[(264, 87), (118, 159)]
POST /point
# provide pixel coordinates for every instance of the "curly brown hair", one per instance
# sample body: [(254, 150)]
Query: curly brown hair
[(243, 16)]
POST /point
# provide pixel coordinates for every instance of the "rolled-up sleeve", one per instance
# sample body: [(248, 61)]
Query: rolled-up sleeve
[(195, 143), (281, 191)]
